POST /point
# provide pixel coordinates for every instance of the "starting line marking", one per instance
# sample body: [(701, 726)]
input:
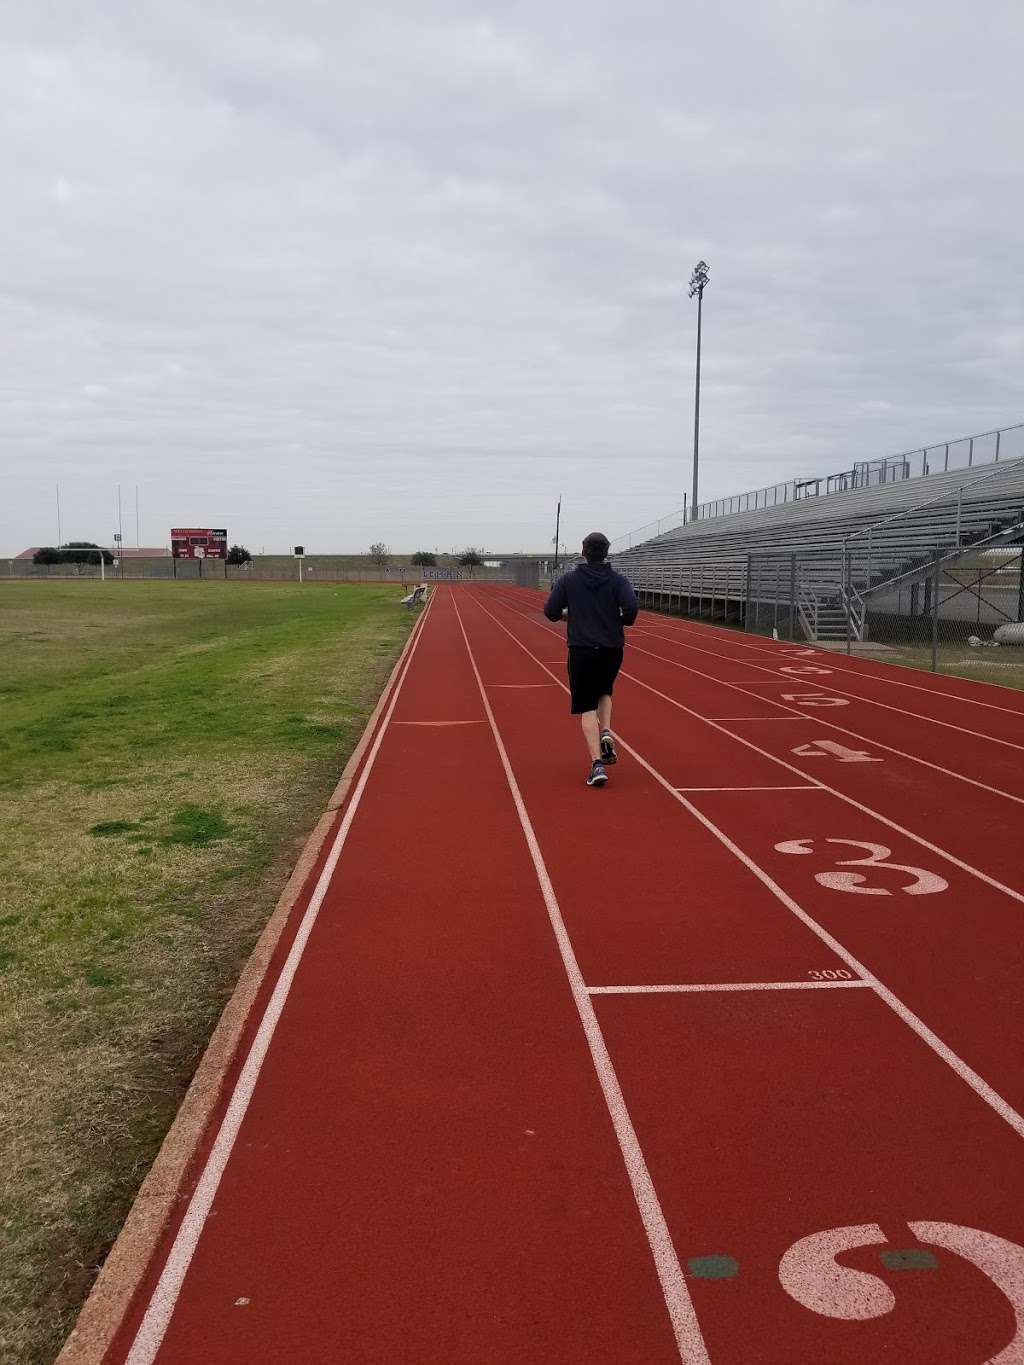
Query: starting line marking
[(731, 720), (727, 986), (522, 685)]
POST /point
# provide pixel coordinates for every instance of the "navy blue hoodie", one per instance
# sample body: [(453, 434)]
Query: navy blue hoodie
[(600, 603)]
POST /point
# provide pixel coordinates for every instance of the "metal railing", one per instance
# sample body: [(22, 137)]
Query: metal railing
[(947, 497), (963, 452)]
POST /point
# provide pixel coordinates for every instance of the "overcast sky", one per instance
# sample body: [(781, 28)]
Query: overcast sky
[(333, 272)]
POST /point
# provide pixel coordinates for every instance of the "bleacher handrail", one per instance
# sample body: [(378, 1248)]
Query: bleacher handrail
[(946, 496)]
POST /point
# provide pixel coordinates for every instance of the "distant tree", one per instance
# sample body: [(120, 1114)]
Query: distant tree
[(238, 554), (380, 554), (81, 552), (48, 555), (470, 557), (424, 558)]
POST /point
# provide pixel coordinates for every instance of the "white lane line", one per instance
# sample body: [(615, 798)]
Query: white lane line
[(689, 1339), (733, 720), (780, 648), (521, 686), (803, 787), (827, 687), (727, 986), (970, 1077), (154, 1325), (818, 718)]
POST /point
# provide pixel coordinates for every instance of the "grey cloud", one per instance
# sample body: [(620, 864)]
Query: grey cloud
[(336, 273)]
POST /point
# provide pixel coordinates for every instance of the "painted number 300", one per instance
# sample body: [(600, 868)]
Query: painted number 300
[(876, 857)]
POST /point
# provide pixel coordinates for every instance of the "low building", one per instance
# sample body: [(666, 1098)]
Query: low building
[(126, 552)]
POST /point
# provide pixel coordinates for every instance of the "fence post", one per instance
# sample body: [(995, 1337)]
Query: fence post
[(746, 600), (959, 504), (1020, 587), (792, 597), (935, 613), (847, 606)]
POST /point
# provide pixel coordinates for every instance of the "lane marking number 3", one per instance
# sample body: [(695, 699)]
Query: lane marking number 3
[(922, 883)]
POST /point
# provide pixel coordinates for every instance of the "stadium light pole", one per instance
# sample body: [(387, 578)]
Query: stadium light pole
[(698, 280), (558, 522)]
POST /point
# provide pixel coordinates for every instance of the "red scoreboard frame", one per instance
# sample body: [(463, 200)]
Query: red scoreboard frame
[(198, 542)]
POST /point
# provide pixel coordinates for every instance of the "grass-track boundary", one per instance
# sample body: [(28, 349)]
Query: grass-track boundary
[(120, 1276)]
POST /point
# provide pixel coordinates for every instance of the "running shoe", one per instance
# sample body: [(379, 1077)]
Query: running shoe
[(608, 754), (597, 776)]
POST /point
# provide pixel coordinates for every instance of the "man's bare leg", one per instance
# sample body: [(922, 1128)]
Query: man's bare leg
[(604, 713), (592, 732)]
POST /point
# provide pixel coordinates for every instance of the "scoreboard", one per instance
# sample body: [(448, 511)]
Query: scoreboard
[(198, 542)]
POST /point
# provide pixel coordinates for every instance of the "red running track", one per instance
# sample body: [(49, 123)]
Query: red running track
[(723, 1063)]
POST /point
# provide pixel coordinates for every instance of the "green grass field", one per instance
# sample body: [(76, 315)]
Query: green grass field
[(164, 750)]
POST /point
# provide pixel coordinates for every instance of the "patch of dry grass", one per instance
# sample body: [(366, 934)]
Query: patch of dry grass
[(1003, 667)]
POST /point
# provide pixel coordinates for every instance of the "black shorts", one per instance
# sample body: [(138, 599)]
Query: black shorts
[(592, 674)]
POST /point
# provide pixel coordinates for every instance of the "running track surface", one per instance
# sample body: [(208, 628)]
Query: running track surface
[(722, 1063)]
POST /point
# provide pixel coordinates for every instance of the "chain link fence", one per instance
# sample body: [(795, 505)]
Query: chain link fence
[(964, 615), (269, 568), (958, 613)]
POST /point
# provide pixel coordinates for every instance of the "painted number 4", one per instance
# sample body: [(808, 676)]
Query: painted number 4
[(822, 748), (922, 883)]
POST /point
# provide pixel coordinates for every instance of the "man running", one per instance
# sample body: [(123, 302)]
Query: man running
[(599, 602)]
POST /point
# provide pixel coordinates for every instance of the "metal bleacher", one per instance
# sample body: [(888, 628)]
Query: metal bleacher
[(826, 556)]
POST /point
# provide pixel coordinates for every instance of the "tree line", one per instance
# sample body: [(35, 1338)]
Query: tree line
[(88, 552), (471, 557)]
